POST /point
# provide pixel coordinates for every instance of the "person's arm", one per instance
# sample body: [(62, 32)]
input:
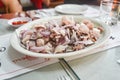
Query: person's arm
[(12, 6)]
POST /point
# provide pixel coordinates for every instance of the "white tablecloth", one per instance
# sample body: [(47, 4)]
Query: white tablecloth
[(14, 63)]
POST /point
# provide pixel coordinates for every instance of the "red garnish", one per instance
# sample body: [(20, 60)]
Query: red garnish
[(19, 22)]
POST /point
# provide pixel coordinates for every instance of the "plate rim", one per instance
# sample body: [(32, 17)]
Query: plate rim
[(17, 47)]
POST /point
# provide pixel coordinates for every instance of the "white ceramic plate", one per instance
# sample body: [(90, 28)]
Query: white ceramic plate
[(71, 9), (15, 42), (10, 22)]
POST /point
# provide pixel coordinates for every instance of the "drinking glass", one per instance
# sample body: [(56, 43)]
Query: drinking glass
[(109, 11)]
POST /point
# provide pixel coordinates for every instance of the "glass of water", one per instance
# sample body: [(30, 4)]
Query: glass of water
[(109, 11)]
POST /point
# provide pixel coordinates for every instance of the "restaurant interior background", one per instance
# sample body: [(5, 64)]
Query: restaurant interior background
[(54, 3), (105, 65)]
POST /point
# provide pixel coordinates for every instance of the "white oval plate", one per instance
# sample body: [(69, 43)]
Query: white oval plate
[(71, 9), (15, 42)]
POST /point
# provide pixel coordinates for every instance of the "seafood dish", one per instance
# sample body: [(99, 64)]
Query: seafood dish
[(60, 35)]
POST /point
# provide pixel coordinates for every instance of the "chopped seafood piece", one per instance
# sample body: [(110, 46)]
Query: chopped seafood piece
[(60, 48), (40, 42)]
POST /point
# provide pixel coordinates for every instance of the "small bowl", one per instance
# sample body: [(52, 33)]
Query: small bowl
[(18, 21)]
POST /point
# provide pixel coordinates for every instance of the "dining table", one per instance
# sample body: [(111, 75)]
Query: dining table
[(100, 63)]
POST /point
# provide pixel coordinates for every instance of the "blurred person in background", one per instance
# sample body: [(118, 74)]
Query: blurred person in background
[(12, 6)]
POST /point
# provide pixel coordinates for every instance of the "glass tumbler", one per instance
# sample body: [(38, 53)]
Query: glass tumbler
[(109, 11)]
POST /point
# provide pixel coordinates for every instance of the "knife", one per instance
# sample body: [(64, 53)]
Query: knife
[(71, 73)]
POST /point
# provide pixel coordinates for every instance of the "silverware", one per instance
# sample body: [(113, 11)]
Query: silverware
[(63, 78), (2, 49), (68, 69)]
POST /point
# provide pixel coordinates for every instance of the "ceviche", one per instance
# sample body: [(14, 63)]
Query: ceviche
[(60, 36)]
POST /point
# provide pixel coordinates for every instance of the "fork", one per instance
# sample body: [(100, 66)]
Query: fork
[(63, 78)]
